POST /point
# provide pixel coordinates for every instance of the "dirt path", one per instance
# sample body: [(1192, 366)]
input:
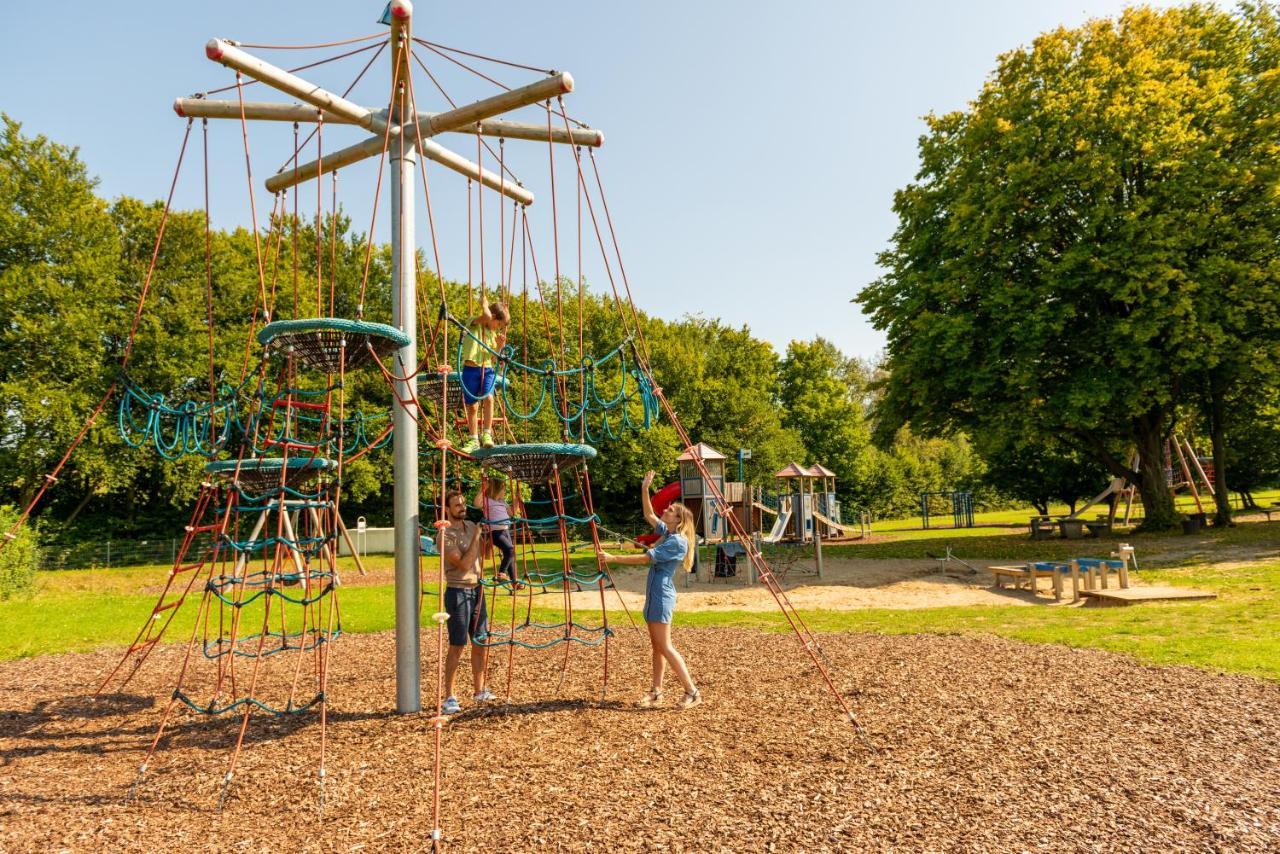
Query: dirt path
[(847, 584)]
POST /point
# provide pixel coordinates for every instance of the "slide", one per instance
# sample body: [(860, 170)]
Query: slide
[(779, 526), (661, 501)]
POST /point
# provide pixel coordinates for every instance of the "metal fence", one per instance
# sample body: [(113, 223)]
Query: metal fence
[(108, 553)]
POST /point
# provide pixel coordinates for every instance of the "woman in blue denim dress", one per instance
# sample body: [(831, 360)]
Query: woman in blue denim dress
[(672, 551)]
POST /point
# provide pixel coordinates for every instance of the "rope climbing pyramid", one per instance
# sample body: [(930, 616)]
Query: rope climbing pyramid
[(259, 560)]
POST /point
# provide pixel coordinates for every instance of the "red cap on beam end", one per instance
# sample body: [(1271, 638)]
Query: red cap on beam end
[(566, 82), (213, 49), (177, 107), (401, 9), (599, 138)]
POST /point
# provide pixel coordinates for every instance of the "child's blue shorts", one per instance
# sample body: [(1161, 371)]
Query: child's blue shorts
[(477, 383)]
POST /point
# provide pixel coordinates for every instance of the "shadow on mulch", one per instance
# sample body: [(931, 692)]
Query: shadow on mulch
[(59, 726), (538, 707)]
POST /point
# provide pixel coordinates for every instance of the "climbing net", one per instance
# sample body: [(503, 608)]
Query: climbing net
[(261, 549)]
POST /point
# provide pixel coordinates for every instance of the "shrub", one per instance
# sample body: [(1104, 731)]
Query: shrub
[(18, 558)]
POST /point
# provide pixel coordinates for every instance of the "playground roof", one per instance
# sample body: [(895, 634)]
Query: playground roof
[(794, 470), (819, 470), (700, 451)]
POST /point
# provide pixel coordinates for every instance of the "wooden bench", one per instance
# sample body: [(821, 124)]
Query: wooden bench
[(1266, 511), (1025, 574), (1099, 528), (1042, 527)]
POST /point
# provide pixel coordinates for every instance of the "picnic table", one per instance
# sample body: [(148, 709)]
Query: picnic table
[(1072, 529)]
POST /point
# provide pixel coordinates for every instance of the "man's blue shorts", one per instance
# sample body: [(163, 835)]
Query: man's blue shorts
[(467, 618), (477, 383)]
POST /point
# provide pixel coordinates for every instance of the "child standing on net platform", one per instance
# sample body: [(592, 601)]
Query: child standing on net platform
[(485, 336)]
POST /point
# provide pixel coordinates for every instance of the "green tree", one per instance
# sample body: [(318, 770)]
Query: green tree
[(1040, 473), (1242, 221), (824, 406), (59, 253), (19, 559), (1253, 453), (1057, 269)]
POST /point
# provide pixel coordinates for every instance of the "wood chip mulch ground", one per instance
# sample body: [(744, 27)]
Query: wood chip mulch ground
[(984, 745)]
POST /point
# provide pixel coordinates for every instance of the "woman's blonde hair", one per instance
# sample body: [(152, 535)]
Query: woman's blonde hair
[(685, 528)]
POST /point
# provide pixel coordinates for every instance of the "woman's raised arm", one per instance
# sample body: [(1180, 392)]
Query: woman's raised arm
[(646, 503)]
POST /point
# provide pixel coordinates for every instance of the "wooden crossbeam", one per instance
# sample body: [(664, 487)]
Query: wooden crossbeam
[(209, 108)]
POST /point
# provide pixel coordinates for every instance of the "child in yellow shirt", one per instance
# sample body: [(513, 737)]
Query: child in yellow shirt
[(487, 335)]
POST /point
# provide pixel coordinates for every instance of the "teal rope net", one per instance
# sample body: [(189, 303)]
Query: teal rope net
[(205, 429), (579, 394), (176, 431)]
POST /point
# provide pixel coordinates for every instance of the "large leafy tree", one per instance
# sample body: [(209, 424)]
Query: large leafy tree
[(1039, 473), (822, 402), (59, 253), (1058, 266), (1242, 221)]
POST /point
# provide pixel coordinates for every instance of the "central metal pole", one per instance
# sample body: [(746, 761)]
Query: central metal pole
[(404, 315)]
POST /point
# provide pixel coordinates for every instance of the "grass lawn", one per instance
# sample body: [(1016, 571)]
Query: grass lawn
[(80, 610)]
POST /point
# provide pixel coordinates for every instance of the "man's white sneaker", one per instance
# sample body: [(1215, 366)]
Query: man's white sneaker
[(451, 707), (485, 696)]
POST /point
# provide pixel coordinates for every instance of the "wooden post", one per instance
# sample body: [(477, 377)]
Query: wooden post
[(266, 111), (425, 125), (1075, 581), (346, 536), (1186, 472), (1195, 461), (293, 548), (1125, 553), (243, 557), (817, 547)]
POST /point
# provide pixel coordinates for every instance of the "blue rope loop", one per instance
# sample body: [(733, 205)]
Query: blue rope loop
[(176, 431), (267, 472), (588, 417), (206, 428), (222, 647)]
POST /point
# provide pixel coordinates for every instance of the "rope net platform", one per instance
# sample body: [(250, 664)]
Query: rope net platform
[(262, 473), (328, 343), (534, 462)]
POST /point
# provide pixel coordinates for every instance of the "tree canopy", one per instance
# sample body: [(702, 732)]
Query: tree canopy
[(1088, 238)]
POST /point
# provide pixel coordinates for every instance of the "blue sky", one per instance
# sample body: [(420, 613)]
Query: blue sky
[(752, 149)]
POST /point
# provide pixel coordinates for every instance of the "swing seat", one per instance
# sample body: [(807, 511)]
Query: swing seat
[(320, 342), (534, 463), (261, 473)]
